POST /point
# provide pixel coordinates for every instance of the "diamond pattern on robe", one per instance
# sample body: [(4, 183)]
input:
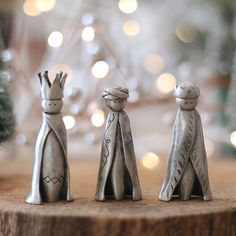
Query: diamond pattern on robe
[(54, 180)]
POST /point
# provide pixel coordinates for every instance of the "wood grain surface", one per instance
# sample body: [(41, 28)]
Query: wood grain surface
[(84, 216)]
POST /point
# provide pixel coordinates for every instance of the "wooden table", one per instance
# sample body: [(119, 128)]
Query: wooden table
[(85, 216)]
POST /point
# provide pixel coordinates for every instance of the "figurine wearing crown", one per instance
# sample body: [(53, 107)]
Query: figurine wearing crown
[(187, 173), (51, 177), (118, 175)]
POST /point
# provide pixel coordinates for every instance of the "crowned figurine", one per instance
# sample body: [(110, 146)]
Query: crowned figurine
[(187, 173), (118, 177), (51, 177)]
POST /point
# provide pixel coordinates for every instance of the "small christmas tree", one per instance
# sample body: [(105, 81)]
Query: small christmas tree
[(7, 121)]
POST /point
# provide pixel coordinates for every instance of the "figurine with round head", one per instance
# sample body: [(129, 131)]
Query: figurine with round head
[(187, 173), (187, 95), (116, 98)]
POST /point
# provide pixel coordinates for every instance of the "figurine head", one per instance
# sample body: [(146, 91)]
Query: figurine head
[(187, 95), (116, 98), (52, 93)]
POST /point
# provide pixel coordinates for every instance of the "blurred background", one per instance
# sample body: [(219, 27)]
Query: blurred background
[(146, 46)]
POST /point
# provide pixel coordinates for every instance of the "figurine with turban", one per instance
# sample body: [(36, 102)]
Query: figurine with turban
[(118, 176)]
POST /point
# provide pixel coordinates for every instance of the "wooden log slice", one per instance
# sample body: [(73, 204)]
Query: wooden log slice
[(85, 216)]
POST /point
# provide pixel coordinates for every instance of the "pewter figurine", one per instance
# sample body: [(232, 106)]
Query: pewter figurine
[(51, 177), (118, 175), (187, 173)]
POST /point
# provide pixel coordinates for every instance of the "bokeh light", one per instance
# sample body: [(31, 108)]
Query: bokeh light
[(88, 34), (165, 83), (55, 39), (150, 160), (233, 138), (209, 147), (128, 6), (92, 48), (45, 5), (87, 19), (75, 109), (154, 64), (30, 8), (131, 27), (69, 122), (60, 68), (185, 33), (100, 69), (98, 118)]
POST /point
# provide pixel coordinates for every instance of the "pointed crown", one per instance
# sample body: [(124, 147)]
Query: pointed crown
[(54, 90)]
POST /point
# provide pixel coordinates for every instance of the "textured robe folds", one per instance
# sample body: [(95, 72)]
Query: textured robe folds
[(188, 145), (50, 123), (107, 155)]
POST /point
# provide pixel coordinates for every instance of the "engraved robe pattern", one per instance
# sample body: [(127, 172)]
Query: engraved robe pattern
[(51, 123), (188, 144), (107, 155)]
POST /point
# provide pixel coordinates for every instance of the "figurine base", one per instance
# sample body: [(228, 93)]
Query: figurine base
[(85, 216)]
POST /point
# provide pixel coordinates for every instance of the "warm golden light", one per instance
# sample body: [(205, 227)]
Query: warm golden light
[(165, 83), (60, 67), (209, 147), (131, 27), (55, 39), (150, 160), (185, 33), (45, 5), (69, 122), (128, 6), (233, 138), (100, 69), (98, 118), (88, 34), (30, 9), (154, 64)]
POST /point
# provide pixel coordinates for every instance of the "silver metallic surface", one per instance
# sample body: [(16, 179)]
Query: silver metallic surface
[(187, 172), (118, 177), (51, 177)]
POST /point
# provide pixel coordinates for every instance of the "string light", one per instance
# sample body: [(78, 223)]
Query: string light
[(88, 34), (55, 39), (97, 118), (45, 5), (100, 69), (165, 83), (154, 64), (128, 6), (233, 138), (69, 122), (150, 160), (30, 9), (131, 27)]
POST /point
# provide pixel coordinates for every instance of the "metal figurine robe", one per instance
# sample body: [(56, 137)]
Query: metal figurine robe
[(187, 172), (51, 177), (118, 175)]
